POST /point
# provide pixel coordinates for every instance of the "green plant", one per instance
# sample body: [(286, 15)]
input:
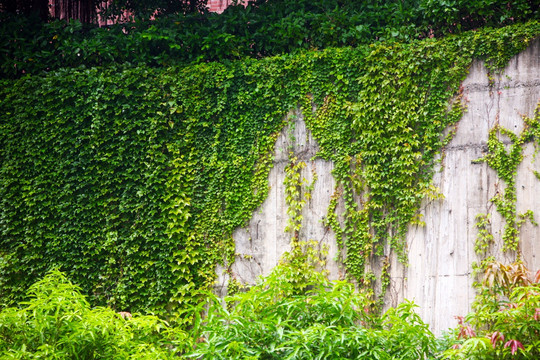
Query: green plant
[(57, 322), (293, 194), (505, 163), (296, 313), (458, 15), (505, 322), (384, 160), (259, 29), (484, 238)]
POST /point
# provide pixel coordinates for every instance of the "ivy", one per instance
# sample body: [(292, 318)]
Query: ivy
[(132, 179), (397, 108), (127, 178), (505, 159), (293, 194), (484, 238), (384, 158)]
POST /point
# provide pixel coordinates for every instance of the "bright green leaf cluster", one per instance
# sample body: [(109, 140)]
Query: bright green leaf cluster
[(58, 323), (505, 163), (281, 318)]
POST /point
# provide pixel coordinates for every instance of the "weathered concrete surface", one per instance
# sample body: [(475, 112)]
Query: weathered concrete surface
[(438, 277), (260, 245)]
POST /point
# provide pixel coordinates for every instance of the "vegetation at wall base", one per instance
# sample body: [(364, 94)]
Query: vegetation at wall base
[(58, 323), (286, 316), (294, 314), (504, 323)]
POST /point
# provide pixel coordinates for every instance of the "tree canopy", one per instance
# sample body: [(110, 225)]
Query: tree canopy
[(86, 10), (182, 32)]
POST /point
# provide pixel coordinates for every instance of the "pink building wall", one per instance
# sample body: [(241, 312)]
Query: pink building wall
[(220, 5)]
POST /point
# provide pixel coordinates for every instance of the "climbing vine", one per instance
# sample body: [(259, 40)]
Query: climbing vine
[(505, 159), (132, 179), (384, 160), (484, 238), (293, 194)]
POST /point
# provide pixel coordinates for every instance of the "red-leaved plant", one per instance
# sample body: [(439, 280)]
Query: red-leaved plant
[(514, 345), (505, 323)]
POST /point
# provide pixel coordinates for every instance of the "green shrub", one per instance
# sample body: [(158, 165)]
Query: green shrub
[(297, 313), (263, 28), (58, 323), (505, 323)]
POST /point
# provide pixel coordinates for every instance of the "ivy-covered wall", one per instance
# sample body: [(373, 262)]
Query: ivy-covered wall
[(490, 206), (458, 224), (133, 179)]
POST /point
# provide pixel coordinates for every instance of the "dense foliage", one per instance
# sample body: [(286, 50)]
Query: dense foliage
[(131, 179), (294, 313), (58, 323), (288, 315), (128, 155), (263, 28)]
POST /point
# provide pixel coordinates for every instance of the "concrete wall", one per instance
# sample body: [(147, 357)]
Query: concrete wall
[(261, 244), (438, 277)]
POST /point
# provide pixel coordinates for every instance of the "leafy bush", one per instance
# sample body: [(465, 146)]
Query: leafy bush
[(454, 16), (263, 28), (58, 323), (296, 313), (505, 323)]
